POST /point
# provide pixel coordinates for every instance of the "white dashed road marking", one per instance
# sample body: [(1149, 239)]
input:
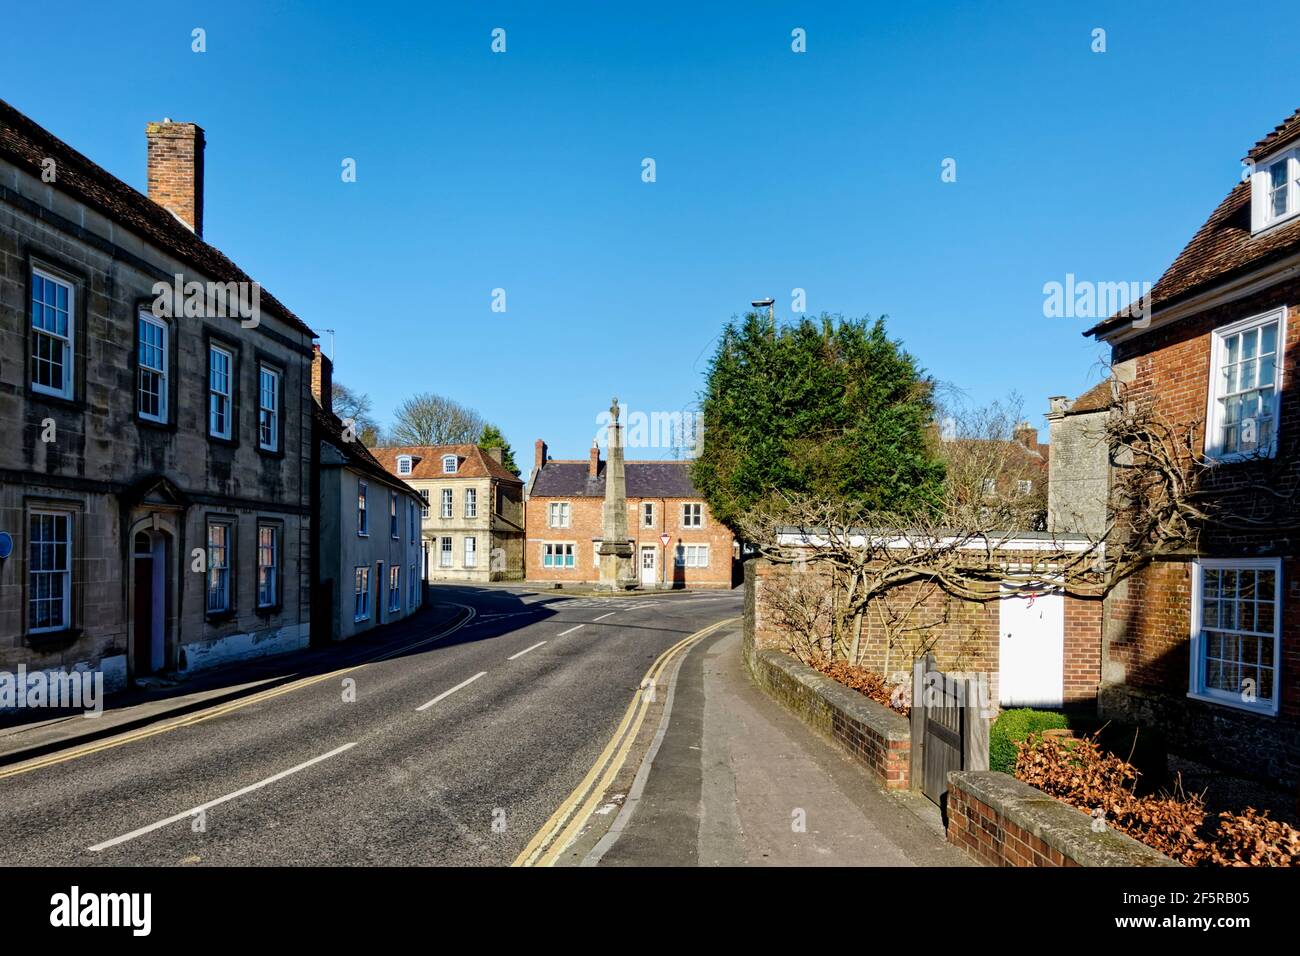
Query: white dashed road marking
[(526, 650), (447, 693)]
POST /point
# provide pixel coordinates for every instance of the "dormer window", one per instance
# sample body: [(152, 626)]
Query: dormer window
[(1275, 190), (403, 464), (449, 464)]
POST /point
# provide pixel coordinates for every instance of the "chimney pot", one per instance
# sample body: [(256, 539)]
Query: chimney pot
[(176, 170)]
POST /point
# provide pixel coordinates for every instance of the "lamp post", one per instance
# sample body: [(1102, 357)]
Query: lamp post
[(771, 307)]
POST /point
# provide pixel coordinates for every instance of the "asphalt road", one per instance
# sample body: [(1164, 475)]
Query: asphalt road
[(452, 754)]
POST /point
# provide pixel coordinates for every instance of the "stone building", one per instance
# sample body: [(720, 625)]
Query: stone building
[(1079, 471), (472, 506), (1205, 645), (155, 412), (367, 544), (566, 522)]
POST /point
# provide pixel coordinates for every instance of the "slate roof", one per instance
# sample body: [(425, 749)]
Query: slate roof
[(328, 427), (645, 479), (473, 462), (26, 144), (1223, 248)]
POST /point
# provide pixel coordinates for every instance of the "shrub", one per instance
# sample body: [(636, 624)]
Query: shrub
[(1013, 727), (865, 682), (1081, 773)]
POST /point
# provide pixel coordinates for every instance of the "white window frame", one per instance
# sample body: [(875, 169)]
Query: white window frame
[(271, 413), (595, 552), (65, 619), (471, 502), (363, 509), (470, 552), (403, 464), (144, 318), (558, 514), (1262, 189), (559, 555), (268, 590), (1214, 406), (446, 497), (227, 582), (449, 464), (1196, 681), (69, 341), (647, 514), (446, 551), (394, 525), (695, 510), (215, 395), (424, 503), (394, 587), (691, 556), (361, 594)]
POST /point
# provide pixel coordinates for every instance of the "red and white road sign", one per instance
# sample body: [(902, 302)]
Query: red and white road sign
[(664, 539)]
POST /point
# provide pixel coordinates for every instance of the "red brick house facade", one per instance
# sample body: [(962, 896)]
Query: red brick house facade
[(564, 518), (1206, 646)]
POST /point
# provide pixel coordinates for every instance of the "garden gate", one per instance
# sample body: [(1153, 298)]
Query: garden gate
[(949, 728)]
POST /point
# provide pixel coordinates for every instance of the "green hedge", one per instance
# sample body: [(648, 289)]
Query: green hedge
[(1012, 727)]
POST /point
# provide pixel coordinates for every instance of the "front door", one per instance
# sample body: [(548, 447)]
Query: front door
[(150, 603), (648, 566), (1032, 650)]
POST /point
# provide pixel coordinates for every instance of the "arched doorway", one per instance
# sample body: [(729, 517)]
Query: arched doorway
[(149, 607)]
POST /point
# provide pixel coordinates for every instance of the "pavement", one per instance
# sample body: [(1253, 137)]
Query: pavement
[(736, 780), (450, 750)]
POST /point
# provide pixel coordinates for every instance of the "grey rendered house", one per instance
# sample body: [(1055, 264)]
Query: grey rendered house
[(367, 545)]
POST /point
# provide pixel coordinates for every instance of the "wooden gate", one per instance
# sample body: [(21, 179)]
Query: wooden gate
[(949, 728)]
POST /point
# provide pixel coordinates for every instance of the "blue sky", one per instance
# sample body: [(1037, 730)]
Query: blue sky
[(775, 170)]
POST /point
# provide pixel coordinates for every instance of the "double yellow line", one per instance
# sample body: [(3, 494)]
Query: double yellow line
[(218, 711), (569, 818)]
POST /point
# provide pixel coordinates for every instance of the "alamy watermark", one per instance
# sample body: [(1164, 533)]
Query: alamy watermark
[(60, 690), (1084, 299), (208, 300), (680, 431)]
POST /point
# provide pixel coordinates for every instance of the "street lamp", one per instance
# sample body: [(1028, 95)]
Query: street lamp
[(771, 307)]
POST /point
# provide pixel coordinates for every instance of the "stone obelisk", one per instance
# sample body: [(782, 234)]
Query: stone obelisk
[(616, 570)]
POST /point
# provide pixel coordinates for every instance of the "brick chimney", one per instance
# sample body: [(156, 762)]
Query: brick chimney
[(539, 454), (494, 452), (176, 170), (593, 465), (1027, 435), (322, 379)]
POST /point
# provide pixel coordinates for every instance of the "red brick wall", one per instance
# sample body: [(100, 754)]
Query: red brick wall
[(991, 838), (968, 640), (1148, 620), (586, 523)]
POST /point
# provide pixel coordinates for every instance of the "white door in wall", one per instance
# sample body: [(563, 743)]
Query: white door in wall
[(648, 571), (1031, 660)]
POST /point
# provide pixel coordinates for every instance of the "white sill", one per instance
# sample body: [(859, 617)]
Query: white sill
[(1235, 457), (1259, 710), (1272, 224)]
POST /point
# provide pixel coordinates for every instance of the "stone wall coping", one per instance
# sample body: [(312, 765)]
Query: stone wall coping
[(1059, 825), (887, 723)]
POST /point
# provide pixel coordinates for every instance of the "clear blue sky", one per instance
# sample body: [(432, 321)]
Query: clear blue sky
[(775, 170)]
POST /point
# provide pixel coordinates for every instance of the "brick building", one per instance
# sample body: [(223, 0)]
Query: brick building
[(154, 448), (565, 521), (1206, 645), (473, 510)]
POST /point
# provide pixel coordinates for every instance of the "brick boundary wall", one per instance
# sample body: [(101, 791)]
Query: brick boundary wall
[(1002, 821), (871, 734)]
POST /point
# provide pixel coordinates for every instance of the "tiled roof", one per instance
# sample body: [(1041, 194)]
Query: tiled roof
[(1224, 247), (1282, 134), (645, 479), (1096, 399), (358, 455), (26, 144), (473, 462)]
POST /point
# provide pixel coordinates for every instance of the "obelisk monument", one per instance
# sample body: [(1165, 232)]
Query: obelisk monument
[(616, 571)]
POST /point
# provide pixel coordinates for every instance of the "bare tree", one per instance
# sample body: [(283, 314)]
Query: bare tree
[(356, 407), (974, 546), (429, 419)]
